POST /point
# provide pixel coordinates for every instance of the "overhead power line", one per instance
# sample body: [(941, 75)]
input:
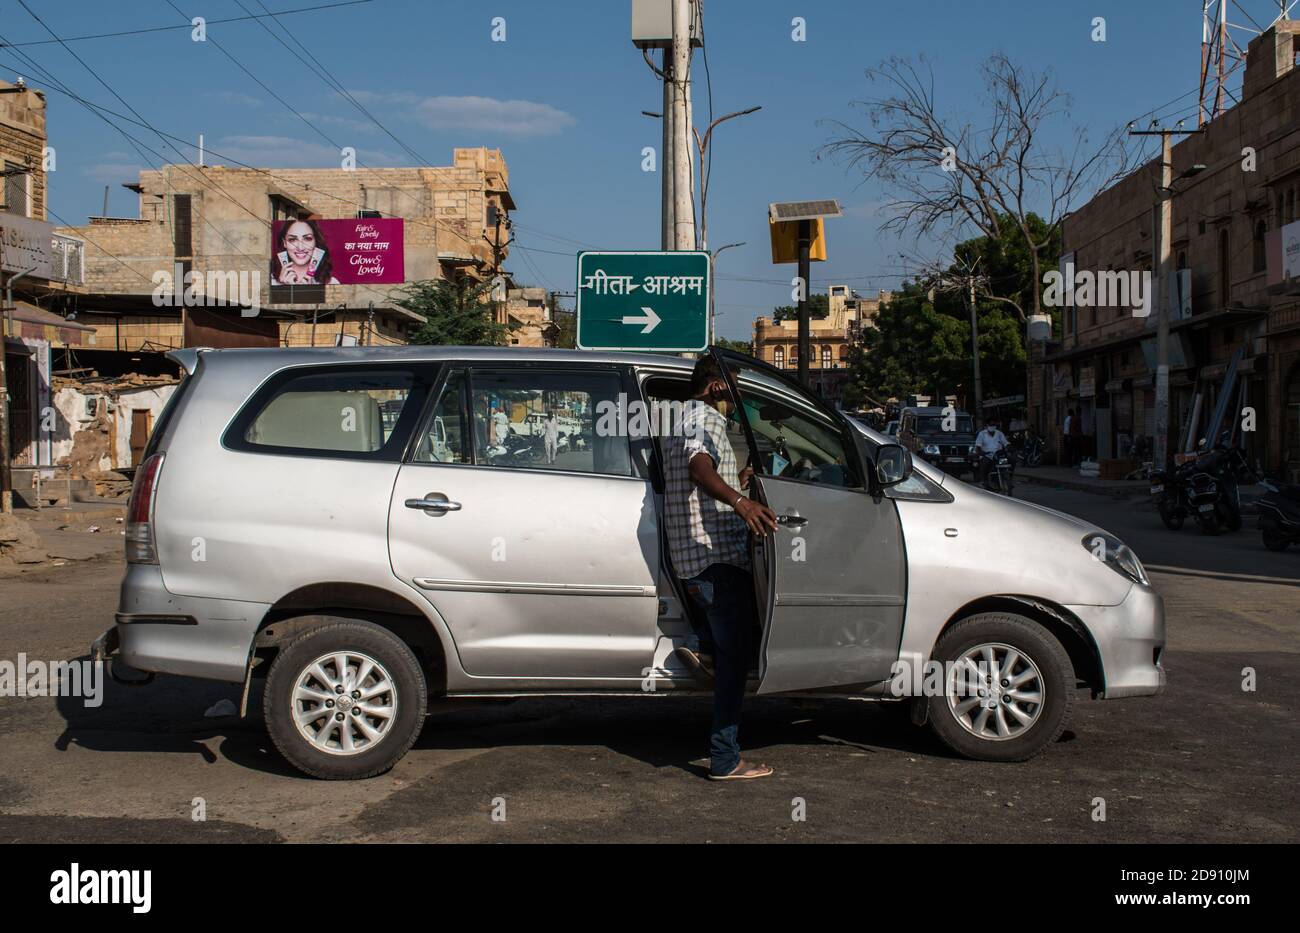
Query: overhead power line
[(212, 22)]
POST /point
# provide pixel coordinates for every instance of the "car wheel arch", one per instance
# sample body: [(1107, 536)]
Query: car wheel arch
[(1062, 624), (316, 604)]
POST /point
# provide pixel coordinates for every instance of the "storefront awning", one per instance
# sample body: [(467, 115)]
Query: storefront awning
[(26, 320)]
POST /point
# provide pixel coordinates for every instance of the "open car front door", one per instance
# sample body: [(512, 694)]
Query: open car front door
[(831, 580)]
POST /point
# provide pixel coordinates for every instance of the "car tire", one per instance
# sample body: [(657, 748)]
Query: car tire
[(1041, 657), (1275, 540), (312, 661)]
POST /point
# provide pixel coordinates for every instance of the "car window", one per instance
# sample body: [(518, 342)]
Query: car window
[(342, 411), (444, 437), (795, 439), (541, 419), (933, 424), (917, 486)]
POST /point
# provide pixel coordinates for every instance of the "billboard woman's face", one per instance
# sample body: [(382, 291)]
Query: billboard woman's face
[(299, 242)]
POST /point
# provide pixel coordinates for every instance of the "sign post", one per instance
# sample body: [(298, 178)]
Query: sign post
[(655, 301)]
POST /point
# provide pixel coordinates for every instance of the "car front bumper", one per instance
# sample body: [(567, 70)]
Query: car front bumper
[(1130, 640)]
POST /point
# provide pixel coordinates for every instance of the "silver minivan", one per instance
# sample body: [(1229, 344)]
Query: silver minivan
[(372, 529)]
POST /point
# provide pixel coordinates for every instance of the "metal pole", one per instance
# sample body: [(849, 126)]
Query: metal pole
[(6, 478), (667, 165), (805, 336), (1164, 255), (683, 209), (975, 352)]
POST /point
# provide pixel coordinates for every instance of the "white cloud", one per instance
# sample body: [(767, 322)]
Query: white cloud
[(113, 171), (484, 114)]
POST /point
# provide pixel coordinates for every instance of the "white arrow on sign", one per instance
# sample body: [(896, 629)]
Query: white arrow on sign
[(648, 318)]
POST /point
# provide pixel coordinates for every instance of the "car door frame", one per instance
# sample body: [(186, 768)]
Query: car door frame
[(766, 578), (539, 682)]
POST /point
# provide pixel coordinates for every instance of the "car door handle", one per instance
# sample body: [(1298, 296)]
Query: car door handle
[(792, 520), (433, 505)]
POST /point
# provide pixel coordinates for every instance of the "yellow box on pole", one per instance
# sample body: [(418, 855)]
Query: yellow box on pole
[(785, 240)]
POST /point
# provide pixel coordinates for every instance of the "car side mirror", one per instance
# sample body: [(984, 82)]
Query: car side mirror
[(893, 464)]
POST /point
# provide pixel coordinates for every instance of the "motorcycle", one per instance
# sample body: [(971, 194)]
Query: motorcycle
[(516, 450), (1207, 488), (1279, 514), (1028, 448), (1000, 477)]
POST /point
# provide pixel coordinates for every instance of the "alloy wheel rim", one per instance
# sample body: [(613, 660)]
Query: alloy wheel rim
[(344, 703), (995, 692)]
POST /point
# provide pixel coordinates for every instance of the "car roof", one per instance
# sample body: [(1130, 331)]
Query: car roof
[(269, 359)]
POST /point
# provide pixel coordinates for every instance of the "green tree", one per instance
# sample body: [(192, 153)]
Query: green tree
[(739, 346), (455, 313), (818, 308)]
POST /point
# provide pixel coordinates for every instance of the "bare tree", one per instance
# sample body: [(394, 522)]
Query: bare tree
[(953, 176)]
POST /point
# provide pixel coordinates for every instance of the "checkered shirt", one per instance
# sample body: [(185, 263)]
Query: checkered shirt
[(701, 530)]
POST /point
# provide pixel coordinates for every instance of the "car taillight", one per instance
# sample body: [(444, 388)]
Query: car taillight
[(139, 510)]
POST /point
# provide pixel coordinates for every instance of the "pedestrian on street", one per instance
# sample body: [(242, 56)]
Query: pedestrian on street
[(708, 522), (1075, 430), (551, 431)]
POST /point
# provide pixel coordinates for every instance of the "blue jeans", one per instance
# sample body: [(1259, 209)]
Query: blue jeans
[(726, 596)]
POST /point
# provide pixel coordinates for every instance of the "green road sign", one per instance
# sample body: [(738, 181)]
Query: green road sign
[(643, 301)]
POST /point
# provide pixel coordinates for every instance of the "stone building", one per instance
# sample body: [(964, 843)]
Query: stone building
[(1227, 222), (777, 342), (527, 312), (216, 223)]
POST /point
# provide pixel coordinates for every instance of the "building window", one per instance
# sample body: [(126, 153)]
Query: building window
[(778, 357), (826, 357), (1260, 252), (16, 201), (1225, 267)]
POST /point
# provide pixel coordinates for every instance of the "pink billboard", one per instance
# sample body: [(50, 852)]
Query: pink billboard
[(361, 251)]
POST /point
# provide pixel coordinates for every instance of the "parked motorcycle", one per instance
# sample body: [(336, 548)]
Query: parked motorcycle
[(1279, 514), (1027, 448), (1206, 488), (516, 449)]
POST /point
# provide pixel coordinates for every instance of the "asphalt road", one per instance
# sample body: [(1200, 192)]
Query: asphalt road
[(1205, 761)]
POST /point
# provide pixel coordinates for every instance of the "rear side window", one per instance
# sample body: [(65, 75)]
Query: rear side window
[(354, 412)]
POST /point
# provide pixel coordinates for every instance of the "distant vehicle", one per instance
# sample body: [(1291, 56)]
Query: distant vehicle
[(891, 429), (942, 437), (1279, 514)]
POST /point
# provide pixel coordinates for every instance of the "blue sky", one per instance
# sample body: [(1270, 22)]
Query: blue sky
[(562, 97)]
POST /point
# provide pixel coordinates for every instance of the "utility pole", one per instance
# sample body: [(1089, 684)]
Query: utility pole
[(713, 288), (683, 206), (667, 165), (6, 476), (1163, 261), (978, 413), (702, 146)]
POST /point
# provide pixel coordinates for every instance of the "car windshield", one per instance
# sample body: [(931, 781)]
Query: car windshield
[(934, 424)]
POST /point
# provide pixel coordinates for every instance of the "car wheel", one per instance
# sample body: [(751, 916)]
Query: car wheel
[(1008, 687), (345, 700), (1275, 540)]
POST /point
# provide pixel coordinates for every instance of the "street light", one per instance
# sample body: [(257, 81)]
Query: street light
[(713, 288), (702, 145)]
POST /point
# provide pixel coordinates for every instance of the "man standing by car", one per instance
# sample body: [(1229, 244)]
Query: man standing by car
[(708, 522), (551, 430), (988, 442)]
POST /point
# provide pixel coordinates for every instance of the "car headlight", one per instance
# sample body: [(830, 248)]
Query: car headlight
[(1117, 555), (931, 449), (971, 449)]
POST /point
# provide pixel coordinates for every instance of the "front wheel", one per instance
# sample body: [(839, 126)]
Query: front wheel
[(1008, 687), (345, 700)]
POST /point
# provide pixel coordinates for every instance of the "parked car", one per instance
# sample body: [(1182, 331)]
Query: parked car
[(939, 436), (364, 566)]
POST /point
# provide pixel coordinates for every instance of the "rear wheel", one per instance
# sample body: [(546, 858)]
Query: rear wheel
[(1172, 518), (345, 700), (1008, 686), (1209, 523), (1275, 540)]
